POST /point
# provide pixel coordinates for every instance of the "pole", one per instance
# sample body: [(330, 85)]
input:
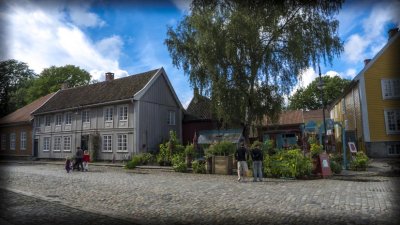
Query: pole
[(323, 107)]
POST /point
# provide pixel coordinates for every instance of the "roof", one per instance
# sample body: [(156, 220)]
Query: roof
[(24, 114), (108, 91), (212, 136), (199, 108), (297, 117)]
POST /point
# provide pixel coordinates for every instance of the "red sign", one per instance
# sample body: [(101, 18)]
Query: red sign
[(324, 165)]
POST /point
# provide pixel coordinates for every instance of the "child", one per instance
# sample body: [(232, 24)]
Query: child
[(86, 159), (68, 164)]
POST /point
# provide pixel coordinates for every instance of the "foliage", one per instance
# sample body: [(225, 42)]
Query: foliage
[(199, 166), (360, 161), (135, 161), (95, 145), (268, 147), (316, 149), (164, 156), (189, 150), (168, 149), (15, 78), (178, 163), (309, 98), (144, 158), (221, 149), (51, 79), (290, 163), (245, 56)]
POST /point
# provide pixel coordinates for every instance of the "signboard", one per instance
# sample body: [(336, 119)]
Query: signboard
[(310, 126), (352, 147), (324, 165), (329, 123)]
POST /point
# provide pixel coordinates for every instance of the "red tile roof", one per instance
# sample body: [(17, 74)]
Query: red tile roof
[(24, 114), (297, 117)]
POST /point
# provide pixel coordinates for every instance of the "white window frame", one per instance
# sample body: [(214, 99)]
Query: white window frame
[(106, 145), (3, 141), (47, 121), (12, 141), (68, 118), (391, 121), (46, 144), (122, 143), (86, 116), (57, 144), (395, 147), (108, 114), (58, 120), (171, 118), (66, 143), (390, 88), (123, 113), (23, 140)]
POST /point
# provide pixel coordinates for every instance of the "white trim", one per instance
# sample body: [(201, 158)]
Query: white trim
[(13, 141), (54, 144), (63, 145), (392, 86), (396, 146), (44, 144), (395, 111), (23, 140), (364, 109), (126, 140), (102, 143)]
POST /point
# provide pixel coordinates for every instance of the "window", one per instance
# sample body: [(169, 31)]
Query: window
[(171, 117), (390, 88), (68, 118), (67, 143), (47, 121), (58, 120), (393, 149), (392, 120), (85, 116), (123, 113), (3, 142), (57, 144), (122, 143), (108, 114), (12, 141), (23, 140), (46, 144), (107, 143), (37, 121)]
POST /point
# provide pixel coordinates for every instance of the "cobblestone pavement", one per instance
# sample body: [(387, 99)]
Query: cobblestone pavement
[(143, 197)]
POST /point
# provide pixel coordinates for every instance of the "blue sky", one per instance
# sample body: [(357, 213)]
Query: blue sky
[(128, 37)]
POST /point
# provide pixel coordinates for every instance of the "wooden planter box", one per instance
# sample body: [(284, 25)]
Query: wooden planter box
[(221, 165)]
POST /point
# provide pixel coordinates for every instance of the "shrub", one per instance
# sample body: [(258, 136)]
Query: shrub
[(189, 150), (164, 156), (315, 149), (268, 147), (360, 161), (133, 163), (290, 163), (199, 166), (178, 163), (336, 163), (221, 149)]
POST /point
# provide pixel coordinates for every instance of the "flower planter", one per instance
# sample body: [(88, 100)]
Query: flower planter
[(221, 165)]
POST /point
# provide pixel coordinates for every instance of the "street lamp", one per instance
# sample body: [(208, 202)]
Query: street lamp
[(321, 88)]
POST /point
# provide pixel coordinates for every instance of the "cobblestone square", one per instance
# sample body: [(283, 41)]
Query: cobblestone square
[(156, 197)]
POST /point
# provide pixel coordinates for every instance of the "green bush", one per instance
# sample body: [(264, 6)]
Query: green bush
[(360, 161), (290, 163), (315, 149), (164, 156), (178, 163), (336, 163), (133, 163), (222, 148), (199, 166), (189, 150)]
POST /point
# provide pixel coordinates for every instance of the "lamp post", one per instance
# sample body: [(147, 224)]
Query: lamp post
[(321, 88)]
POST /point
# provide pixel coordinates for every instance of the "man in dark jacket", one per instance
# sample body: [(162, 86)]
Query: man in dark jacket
[(257, 157), (79, 159), (241, 155)]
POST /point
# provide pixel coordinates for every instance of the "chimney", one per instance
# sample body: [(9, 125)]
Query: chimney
[(109, 76), (366, 61), (64, 86), (392, 32)]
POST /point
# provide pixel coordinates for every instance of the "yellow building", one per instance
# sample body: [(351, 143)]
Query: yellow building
[(369, 108)]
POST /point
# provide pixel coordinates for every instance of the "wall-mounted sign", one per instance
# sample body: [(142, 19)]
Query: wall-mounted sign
[(352, 147)]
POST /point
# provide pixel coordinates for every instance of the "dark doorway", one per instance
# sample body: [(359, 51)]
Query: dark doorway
[(35, 147), (85, 142)]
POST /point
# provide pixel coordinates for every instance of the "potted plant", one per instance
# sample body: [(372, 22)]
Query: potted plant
[(221, 157)]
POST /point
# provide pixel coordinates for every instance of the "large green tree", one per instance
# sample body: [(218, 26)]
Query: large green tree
[(309, 98), (14, 75), (51, 79), (246, 54)]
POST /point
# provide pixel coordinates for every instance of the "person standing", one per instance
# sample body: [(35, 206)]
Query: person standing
[(241, 155), (78, 159), (86, 159), (257, 157)]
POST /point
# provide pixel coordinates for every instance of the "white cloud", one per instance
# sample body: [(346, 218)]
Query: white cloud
[(41, 37), (354, 48), (80, 16), (183, 5), (351, 73)]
